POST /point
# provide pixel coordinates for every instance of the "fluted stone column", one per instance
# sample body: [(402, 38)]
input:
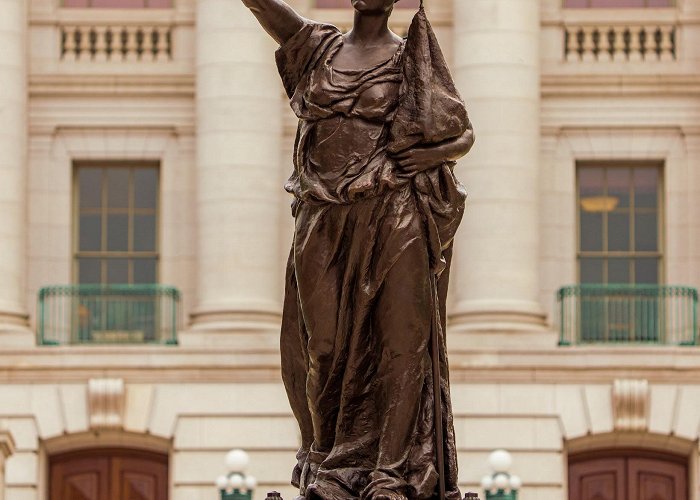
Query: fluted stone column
[(496, 66), (13, 159), (238, 190)]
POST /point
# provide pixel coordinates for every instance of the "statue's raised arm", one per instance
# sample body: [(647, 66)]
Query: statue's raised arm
[(277, 17)]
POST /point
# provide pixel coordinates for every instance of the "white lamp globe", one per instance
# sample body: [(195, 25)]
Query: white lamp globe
[(222, 482), (500, 460), (250, 482), (501, 481), (235, 482), (486, 483), (237, 460), (515, 482)]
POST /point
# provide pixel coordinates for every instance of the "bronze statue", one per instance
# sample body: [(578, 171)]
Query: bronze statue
[(376, 207)]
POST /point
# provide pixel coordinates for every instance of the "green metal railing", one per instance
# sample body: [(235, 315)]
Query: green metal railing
[(642, 314), (108, 314)]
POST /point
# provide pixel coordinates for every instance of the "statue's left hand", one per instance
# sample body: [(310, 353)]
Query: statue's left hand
[(419, 158)]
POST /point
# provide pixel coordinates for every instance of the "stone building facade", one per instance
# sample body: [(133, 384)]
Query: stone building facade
[(587, 115)]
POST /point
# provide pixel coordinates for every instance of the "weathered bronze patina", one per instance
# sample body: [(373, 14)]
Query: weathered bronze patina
[(376, 207)]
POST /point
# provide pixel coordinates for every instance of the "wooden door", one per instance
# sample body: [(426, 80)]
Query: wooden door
[(631, 475), (651, 479), (109, 475), (598, 479)]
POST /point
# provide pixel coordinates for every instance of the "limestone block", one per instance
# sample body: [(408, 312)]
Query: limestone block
[(688, 412), (527, 399), (245, 399), (73, 402), (23, 431), (105, 403), (571, 407), (235, 431), (535, 468), (599, 408), (21, 469), (46, 405), (138, 406), (20, 493), (189, 467), (512, 433)]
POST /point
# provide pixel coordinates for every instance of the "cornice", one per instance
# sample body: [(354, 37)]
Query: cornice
[(106, 85), (138, 364), (588, 85)]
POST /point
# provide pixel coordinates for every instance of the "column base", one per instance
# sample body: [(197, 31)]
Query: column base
[(246, 330), (15, 331), (502, 325)]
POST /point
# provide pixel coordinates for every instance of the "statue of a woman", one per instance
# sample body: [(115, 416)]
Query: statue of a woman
[(376, 206)]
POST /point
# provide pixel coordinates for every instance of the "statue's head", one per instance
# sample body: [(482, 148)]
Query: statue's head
[(373, 6)]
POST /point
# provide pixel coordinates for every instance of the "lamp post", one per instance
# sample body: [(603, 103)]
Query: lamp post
[(501, 485), (236, 485)]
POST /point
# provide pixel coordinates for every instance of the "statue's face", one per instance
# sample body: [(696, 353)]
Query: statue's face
[(373, 6)]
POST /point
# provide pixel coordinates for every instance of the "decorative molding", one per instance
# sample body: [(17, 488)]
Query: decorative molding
[(7, 444), (630, 402), (106, 403)]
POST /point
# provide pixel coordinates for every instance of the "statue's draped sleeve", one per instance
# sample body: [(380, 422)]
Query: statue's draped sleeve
[(296, 57)]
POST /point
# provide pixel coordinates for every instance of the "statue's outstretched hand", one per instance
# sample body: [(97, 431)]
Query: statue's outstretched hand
[(276, 17)]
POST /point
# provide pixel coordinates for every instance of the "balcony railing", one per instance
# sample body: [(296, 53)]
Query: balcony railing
[(615, 43), (108, 314), (628, 314)]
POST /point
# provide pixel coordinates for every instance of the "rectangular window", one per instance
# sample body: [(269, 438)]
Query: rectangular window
[(618, 4), (620, 223), (119, 4), (116, 223), (346, 4)]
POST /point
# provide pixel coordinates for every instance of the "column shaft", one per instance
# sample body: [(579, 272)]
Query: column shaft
[(497, 253), (238, 190), (13, 145)]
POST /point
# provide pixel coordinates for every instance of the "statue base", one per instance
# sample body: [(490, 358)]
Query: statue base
[(274, 495)]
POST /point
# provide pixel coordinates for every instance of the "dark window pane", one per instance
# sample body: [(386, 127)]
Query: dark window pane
[(618, 231), (646, 271), (617, 3), (145, 270), (118, 233), (144, 233), (619, 186), (619, 271), (646, 232), (591, 270), (89, 271), (591, 181), (117, 271), (646, 182), (119, 4), (145, 187), (90, 181), (90, 233), (118, 188), (591, 231)]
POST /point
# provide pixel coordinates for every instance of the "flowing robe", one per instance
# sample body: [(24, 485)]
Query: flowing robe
[(366, 282)]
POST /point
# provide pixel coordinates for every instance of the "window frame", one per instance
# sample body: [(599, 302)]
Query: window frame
[(672, 5), (632, 255), (129, 254), (146, 6)]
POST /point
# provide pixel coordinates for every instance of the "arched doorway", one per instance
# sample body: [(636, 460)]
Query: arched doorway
[(108, 474), (627, 475)]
